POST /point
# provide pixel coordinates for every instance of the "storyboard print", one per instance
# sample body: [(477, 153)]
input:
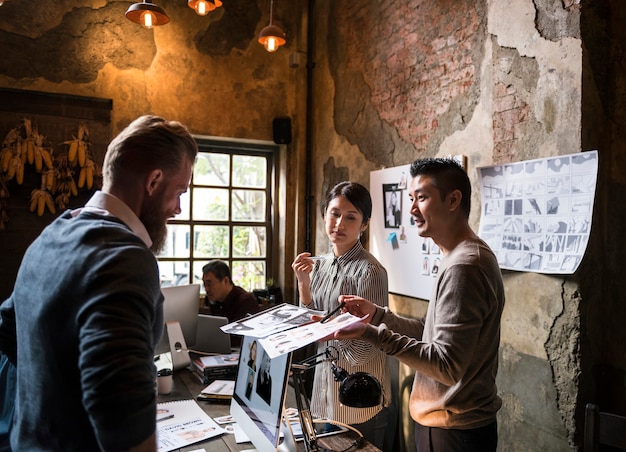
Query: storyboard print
[(536, 214)]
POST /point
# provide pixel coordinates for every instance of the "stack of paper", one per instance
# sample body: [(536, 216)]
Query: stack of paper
[(217, 367), (218, 391)]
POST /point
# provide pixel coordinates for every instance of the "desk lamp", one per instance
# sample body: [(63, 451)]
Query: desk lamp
[(359, 390)]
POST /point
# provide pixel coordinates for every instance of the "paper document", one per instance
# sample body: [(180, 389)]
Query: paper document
[(289, 340), (279, 318), (183, 423)]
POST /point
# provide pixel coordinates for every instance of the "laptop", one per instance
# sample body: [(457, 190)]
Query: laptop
[(209, 336)]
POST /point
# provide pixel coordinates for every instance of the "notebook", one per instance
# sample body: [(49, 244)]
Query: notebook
[(209, 336)]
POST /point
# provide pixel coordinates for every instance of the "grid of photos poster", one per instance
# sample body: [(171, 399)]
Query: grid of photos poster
[(536, 214)]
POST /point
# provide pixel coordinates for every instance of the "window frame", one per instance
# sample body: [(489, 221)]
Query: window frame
[(232, 147)]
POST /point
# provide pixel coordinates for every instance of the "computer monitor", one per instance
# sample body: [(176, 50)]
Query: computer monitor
[(181, 304), (259, 395)]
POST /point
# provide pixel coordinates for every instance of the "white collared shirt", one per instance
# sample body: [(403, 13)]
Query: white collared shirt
[(108, 204)]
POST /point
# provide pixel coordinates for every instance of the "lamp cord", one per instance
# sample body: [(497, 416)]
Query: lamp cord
[(198, 352), (355, 444)]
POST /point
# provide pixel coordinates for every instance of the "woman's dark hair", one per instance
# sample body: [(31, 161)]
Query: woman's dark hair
[(447, 175), (354, 192)]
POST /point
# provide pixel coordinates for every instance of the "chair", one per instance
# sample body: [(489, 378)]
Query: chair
[(603, 429)]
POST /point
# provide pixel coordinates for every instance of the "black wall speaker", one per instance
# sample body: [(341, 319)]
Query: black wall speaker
[(282, 130)]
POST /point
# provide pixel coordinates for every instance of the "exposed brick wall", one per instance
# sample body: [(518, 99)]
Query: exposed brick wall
[(419, 57), (510, 111), (517, 133)]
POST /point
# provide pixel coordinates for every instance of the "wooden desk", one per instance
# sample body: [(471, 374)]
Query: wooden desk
[(187, 386)]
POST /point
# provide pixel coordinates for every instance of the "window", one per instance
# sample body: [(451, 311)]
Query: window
[(226, 214)]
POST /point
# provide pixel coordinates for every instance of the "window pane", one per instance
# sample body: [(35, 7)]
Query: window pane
[(212, 169), (177, 241), (173, 273), (249, 241), (210, 204), (197, 273), (248, 205), (249, 171), (224, 215), (249, 274), (211, 242)]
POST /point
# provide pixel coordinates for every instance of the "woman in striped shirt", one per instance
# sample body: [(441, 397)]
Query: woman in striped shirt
[(349, 269)]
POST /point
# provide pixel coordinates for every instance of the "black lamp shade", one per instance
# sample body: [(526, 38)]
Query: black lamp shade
[(360, 390)]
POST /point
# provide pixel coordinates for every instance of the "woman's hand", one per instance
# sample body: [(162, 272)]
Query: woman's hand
[(303, 266), (358, 306)]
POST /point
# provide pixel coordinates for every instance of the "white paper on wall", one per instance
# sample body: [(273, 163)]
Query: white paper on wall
[(412, 262), (536, 214)]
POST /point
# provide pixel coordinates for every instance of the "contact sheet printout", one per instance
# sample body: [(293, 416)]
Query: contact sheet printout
[(536, 214)]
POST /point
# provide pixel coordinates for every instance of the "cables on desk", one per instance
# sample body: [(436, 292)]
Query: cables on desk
[(355, 444)]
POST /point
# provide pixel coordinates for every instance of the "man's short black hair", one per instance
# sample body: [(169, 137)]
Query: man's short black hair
[(447, 175), (219, 269)]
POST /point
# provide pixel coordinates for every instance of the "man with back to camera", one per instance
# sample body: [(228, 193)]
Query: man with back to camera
[(224, 298), (87, 310), (454, 348)]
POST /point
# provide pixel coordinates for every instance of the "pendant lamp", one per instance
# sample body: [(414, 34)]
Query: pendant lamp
[(272, 37), (147, 14), (204, 7)]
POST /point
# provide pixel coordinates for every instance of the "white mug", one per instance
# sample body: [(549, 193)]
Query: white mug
[(164, 381)]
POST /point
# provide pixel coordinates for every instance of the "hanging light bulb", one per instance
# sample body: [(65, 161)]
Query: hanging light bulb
[(147, 19), (147, 14), (203, 7), (272, 36)]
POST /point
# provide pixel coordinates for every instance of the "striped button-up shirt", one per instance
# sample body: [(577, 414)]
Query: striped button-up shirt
[(356, 272)]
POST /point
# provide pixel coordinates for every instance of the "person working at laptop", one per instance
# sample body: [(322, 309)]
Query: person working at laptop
[(224, 298)]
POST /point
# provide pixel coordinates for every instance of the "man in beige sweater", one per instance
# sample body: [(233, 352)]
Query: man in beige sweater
[(454, 348)]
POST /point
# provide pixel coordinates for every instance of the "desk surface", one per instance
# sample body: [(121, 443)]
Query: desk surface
[(187, 386)]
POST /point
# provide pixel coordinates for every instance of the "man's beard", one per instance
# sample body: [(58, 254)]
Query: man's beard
[(155, 222)]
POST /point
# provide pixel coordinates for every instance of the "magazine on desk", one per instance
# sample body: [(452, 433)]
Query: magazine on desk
[(219, 390), (182, 423), (209, 368), (208, 362)]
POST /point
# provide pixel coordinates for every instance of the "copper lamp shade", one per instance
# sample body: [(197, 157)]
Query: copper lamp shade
[(203, 7), (272, 36), (147, 14)]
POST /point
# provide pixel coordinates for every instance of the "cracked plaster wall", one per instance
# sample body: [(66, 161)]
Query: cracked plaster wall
[(208, 72), (498, 81)]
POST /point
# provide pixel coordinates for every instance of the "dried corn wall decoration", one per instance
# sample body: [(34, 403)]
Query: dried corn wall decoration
[(25, 147)]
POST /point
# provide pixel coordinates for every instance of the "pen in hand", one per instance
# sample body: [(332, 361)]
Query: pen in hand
[(333, 312)]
